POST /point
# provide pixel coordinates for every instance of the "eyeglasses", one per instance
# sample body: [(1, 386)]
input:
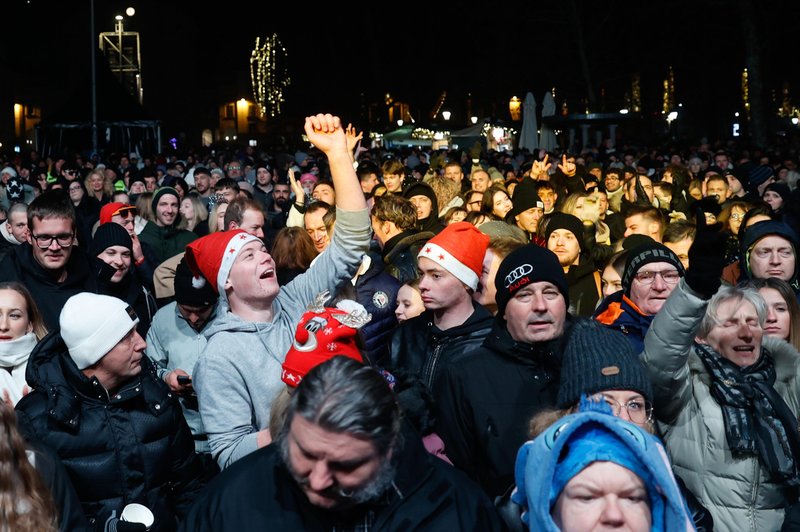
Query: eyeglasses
[(45, 241), (639, 411), (668, 276), (737, 216)]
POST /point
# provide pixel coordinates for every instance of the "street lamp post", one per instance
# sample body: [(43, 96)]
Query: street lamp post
[(94, 77)]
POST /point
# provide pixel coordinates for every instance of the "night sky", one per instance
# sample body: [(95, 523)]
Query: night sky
[(340, 59)]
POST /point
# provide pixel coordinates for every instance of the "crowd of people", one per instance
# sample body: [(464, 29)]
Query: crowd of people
[(353, 338)]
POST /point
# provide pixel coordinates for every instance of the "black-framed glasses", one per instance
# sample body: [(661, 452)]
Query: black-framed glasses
[(45, 241), (639, 410), (668, 276)]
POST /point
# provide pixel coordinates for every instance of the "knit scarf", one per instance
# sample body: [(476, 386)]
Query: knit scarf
[(16, 351), (757, 420)]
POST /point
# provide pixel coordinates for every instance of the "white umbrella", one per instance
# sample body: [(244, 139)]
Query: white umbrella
[(547, 139), (529, 137)]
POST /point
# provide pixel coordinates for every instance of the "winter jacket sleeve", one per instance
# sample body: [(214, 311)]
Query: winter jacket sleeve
[(187, 472), (456, 428), (339, 262), (667, 346), (50, 468)]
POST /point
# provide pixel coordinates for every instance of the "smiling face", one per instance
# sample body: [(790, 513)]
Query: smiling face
[(54, 257), (251, 281), (315, 227), (14, 319), (119, 258), (738, 335), (166, 210), (501, 204)]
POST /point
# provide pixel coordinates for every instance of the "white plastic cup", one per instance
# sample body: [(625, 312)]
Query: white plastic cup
[(138, 513)]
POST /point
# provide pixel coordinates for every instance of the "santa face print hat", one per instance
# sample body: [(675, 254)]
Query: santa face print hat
[(323, 333)]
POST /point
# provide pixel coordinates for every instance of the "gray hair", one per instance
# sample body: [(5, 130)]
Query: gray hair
[(345, 396), (727, 293)]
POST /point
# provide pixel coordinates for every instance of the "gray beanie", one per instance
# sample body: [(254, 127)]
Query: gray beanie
[(598, 358)]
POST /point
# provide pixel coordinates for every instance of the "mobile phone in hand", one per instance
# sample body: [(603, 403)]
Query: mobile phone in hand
[(183, 380)]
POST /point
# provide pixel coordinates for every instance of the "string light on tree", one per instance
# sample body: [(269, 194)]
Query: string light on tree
[(746, 92), (636, 98), (269, 75)]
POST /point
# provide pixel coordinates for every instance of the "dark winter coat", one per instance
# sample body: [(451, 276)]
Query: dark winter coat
[(259, 493), (133, 446), (49, 294), (420, 348), (487, 398)]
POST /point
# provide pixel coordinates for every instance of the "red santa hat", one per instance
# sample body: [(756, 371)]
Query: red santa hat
[(213, 255), (322, 334), (459, 248)]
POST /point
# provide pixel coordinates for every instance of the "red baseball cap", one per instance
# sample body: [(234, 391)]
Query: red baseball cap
[(110, 209)]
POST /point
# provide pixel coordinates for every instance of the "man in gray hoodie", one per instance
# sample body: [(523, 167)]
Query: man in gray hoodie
[(239, 372)]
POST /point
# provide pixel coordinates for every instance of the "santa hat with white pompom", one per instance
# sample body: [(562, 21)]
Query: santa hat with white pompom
[(213, 255)]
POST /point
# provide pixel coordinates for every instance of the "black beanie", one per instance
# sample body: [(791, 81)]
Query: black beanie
[(645, 254), (562, 220), (528, 264), (161, 192), (187, 292), (107, 235), (597, 358), (526, 196)]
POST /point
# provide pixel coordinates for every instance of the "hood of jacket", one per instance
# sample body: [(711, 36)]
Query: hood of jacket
[(52, 372)]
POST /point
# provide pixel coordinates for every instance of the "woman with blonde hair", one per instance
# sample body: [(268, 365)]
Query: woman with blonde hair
[(194, 215), (216, 216), (99, 187), (21, 327)]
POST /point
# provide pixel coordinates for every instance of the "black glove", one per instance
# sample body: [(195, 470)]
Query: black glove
[(706, 257)]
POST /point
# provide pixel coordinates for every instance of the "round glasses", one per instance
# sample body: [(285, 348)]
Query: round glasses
[(639, 410)]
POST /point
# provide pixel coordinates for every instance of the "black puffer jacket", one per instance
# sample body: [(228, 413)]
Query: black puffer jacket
[(487, 398), (134, 446), (421, 349)]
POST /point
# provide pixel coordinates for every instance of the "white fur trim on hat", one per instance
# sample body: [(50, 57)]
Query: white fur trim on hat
[(442, 257), (92, 324), (232, 250)]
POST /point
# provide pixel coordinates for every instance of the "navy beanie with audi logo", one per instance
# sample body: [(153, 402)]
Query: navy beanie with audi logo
[(529, 264)]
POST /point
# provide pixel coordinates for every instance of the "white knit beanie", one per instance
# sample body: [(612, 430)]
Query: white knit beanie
[(92, 324)]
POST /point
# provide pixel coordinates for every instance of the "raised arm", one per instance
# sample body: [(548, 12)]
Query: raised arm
[(326, 132)]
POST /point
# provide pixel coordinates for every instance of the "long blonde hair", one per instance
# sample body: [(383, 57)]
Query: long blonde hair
[(26, 504), (108, 186)]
